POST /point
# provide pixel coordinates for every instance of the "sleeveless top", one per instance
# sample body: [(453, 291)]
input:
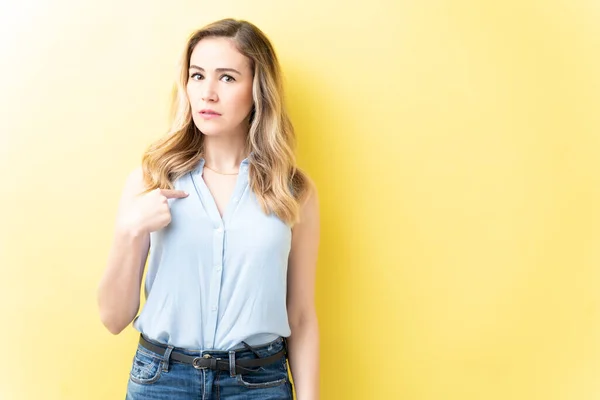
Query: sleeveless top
[(214, 282)]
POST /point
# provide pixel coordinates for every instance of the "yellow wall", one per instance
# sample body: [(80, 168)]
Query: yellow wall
[(455, 145)]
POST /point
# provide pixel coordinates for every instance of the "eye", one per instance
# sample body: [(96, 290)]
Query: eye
[(228, 78), (193, 76)]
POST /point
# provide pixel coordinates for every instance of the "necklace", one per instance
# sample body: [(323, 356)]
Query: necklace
[(220, 173)]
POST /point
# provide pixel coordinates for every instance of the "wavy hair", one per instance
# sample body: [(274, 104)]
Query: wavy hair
[(274, 177)]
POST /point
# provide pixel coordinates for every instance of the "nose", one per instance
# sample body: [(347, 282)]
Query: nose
[(209, 92)]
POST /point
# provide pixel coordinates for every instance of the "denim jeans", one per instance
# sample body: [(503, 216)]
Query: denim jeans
[(154, 376)]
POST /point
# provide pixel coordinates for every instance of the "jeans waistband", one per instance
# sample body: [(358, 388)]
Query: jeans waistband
[(241, 348), (218, 360)]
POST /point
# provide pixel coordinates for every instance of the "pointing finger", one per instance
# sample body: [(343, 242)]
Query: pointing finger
[(173, 194)]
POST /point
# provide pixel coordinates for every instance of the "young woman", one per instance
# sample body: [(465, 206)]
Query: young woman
[(230, 228)]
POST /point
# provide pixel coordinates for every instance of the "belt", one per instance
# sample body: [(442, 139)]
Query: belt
[(208, 362)]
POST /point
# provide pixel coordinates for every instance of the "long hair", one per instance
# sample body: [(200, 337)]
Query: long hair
[(274, 177)]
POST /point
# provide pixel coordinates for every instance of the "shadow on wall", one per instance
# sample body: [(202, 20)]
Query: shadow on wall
[(316, 114)]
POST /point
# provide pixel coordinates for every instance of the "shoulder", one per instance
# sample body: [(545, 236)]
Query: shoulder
[(310, 191), (309, 200), (303, 187), (136, 175), (134, 183)]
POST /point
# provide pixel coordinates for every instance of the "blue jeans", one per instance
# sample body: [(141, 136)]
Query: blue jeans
[(154, 376)]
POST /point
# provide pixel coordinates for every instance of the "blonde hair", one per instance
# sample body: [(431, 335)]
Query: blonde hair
[(274, 177)]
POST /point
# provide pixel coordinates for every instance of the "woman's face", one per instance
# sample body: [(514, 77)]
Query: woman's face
[(219, 88)]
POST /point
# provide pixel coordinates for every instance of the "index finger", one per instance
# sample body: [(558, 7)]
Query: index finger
[(173, 194)]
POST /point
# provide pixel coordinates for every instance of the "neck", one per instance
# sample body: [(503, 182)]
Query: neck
[(224, 153)]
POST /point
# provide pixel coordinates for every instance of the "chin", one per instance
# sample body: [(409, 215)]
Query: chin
[(208, 130)]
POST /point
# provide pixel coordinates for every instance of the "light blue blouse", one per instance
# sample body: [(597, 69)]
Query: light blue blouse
[(213, 282)]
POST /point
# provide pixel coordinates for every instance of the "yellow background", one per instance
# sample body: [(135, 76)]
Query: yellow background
[(455, 146)]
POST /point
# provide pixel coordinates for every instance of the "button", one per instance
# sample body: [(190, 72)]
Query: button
[(235, 199), (218, 268), (214, 308), (220, 229)]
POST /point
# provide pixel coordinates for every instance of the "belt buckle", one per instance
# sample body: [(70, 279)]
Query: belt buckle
[(196, 361)]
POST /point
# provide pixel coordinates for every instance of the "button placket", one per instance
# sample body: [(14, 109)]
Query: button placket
[(215, 285), (219, 231)]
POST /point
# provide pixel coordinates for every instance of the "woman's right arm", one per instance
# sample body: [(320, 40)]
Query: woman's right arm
[(119, 288), (138, 215)]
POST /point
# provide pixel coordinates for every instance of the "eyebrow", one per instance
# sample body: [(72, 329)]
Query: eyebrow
[(218, 69)]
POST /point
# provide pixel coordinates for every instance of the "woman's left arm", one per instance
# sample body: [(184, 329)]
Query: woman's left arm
[(303, 344)]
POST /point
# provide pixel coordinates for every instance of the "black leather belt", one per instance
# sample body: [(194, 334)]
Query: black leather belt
[(208, 362)]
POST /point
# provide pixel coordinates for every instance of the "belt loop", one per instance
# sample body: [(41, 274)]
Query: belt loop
[(166, 357), (232, 363)]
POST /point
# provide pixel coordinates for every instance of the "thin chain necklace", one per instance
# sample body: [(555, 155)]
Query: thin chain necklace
[(220, 173)]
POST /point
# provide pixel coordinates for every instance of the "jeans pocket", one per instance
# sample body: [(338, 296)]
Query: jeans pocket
[(145, 368), (267, 376)]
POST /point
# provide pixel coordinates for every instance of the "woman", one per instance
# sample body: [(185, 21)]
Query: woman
[(230, 229)]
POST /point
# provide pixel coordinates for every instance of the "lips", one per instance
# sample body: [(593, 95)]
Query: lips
[(208, 112)]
